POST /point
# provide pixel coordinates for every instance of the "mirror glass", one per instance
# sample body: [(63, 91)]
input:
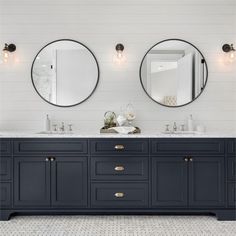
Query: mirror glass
[(173, 73), (65, 73)]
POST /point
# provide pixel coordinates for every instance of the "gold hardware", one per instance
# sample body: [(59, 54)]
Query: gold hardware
[(119, 195), (119, 147), (47, 159), (119, 168), (186, 159), (52, 158), (190, 159)]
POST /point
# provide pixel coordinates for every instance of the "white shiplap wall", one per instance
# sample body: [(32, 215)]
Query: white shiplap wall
[(138, 24)]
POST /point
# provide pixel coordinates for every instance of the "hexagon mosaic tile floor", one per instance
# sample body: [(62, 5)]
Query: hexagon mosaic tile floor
[(116, 226)]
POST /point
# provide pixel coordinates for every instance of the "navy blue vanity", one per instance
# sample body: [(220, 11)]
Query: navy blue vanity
[(118, 176)]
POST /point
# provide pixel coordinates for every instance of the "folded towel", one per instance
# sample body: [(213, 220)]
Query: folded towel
[(124, 129)]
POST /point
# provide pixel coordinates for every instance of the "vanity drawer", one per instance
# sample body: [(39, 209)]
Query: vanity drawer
[(188, 146), (5, 195), (5, 168), (119, 168), (118, 195), (42, 146), (231, 168), (5, 147), (118, 146), (232, 194)]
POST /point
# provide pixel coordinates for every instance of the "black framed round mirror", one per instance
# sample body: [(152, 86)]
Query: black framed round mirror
[(65, 73), (173, 73)]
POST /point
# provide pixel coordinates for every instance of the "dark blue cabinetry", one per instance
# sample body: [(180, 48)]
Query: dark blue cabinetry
[(118, 175)]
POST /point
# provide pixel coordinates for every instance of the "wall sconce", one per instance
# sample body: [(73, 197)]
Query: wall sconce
[(119, 57), (8, 48), (230, 52)]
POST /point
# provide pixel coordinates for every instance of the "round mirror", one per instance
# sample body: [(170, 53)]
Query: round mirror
[(173, 73), (65, 73)]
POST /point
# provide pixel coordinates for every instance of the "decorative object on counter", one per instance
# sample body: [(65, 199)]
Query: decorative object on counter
[(182, 127), (230, 52), (129, 113), (121, 120), (48, 124), (121, 130), (200, 128), (109, 119), (190, 123), (173, 73)]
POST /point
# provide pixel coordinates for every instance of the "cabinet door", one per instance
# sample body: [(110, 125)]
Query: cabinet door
[(69, 181), (169, 181), (206, 181), (31, 181)]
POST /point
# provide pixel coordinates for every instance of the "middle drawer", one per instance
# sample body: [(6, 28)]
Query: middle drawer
[(119, 168)]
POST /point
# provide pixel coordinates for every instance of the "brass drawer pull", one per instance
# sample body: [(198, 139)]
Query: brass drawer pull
[(119, 168), (119, 147), (119, 195)]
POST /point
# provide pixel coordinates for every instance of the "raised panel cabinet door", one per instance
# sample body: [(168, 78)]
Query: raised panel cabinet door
[(206, 182), (31, 181), (169, 182), (69, 182)]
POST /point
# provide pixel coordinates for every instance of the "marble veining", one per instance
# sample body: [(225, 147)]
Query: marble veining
[(98, 135)]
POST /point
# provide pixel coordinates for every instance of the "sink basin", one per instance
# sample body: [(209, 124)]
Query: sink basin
[(181, 132), (53, 133)]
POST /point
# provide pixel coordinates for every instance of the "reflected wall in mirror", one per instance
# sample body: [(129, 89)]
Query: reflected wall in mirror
[(173, 73), (65, 73)]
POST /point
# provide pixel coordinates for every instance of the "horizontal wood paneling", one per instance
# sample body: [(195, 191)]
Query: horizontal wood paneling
[(138, 24)]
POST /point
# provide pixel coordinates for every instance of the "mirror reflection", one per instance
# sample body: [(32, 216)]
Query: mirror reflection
[(65, 73), (173, 73)]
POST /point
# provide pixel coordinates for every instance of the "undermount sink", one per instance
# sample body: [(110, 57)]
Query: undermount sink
[(54, 133), (181, 132)]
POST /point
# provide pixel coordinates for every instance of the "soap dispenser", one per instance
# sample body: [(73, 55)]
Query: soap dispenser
[(48, 124), (190, 123)]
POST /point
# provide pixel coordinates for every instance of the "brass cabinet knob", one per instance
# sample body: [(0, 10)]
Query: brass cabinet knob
[(119, 195), (119, 168), (186, 159), (190, 159), (119, 147), (52, 158), (47, 159)]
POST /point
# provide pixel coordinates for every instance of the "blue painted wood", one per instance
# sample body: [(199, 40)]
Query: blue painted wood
[(130, 146), (119, 168), (5, 195), (187, 146), (169, 182), (206, 182), (31, 182), (5, 168), (63, 186), (50, 146), (104, 195), (5, 147), (69, 182)]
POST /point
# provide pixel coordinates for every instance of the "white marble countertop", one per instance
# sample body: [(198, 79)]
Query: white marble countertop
[(98, 135)]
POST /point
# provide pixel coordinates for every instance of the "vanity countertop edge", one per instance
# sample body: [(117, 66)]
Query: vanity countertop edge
[(98, 135)]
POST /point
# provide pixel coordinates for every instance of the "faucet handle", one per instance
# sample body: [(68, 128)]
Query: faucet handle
[(55, 127), (70, 127), (167, 128)]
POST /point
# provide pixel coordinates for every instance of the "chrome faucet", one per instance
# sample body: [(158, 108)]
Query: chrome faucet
[(62, 128), (174, 127)]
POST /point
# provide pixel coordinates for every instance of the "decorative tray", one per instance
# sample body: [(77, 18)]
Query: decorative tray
[(104, 130)]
